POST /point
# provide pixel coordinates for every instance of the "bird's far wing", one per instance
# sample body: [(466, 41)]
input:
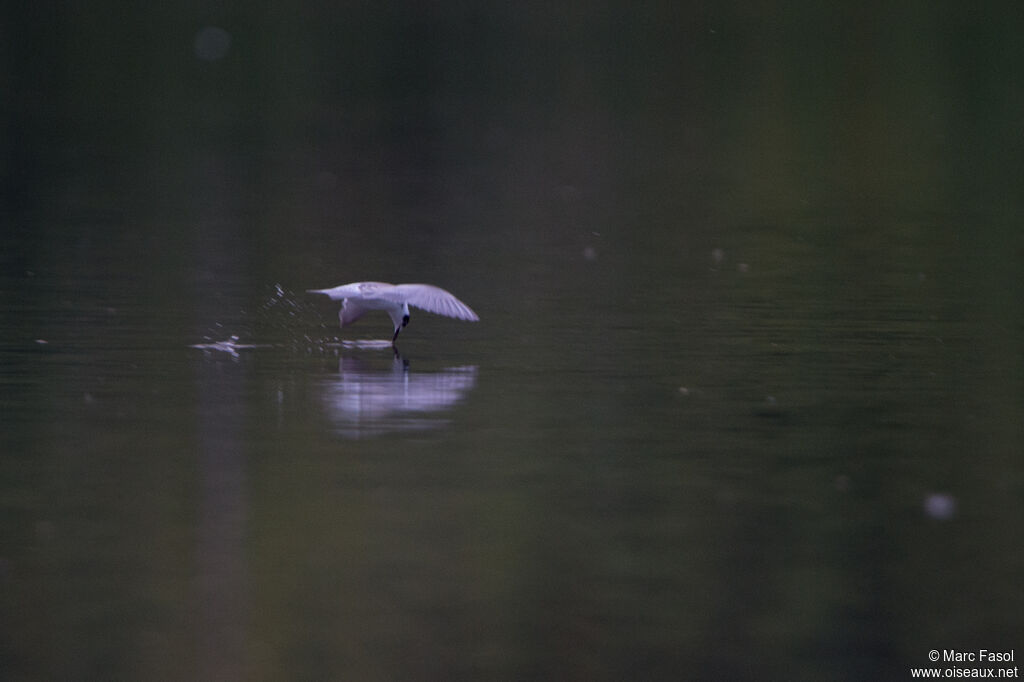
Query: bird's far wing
[(432, 299), (351, 311)]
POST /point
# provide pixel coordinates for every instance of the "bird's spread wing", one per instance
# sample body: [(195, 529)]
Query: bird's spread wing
[(351, 311), (430, 298)]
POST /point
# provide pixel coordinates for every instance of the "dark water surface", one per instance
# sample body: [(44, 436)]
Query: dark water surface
[(746, 400)]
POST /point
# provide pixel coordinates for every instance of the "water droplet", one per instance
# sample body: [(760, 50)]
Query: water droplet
[(940, 506)]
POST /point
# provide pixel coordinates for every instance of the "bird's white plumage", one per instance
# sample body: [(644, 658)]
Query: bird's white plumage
[(351, 311), (359, 298)]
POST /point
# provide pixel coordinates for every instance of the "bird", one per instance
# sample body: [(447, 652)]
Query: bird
[(358, 298)]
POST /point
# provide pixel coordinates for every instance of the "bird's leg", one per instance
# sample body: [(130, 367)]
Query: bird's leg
[(395, 337)]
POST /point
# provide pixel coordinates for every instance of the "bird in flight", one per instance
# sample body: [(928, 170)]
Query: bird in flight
[(359, 298)]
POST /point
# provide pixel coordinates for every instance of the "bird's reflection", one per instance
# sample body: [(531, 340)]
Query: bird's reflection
[(368, 400)]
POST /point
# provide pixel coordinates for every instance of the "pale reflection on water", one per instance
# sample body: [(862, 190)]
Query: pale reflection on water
[(364, 401)]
